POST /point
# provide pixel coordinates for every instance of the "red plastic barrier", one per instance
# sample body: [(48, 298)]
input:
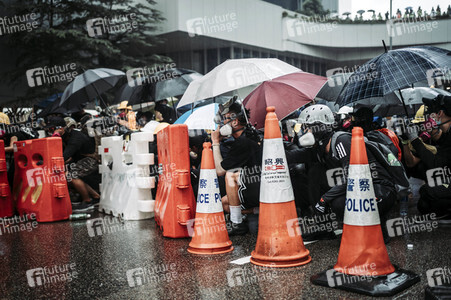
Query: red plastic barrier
[(40, 185), (174, 203), (6, 202)]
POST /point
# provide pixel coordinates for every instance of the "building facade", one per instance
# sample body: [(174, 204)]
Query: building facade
[(200, 34)]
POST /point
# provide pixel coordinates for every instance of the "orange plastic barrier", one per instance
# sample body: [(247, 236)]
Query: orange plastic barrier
[(174, 203), (6, 203), (40, 185)]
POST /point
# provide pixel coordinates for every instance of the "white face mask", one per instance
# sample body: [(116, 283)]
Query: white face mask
[(307, 140), (193, 155), (226, 130)]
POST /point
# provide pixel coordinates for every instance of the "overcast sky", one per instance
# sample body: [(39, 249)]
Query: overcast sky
[(382, 6)]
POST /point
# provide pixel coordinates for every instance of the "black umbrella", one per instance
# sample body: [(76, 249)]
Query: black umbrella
[(88, 86), (52, 106), (133, 92), (158, 86), (391, 71), (361, 12), (333, 86)]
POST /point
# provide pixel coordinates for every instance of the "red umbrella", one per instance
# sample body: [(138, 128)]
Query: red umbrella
[(287, 93)]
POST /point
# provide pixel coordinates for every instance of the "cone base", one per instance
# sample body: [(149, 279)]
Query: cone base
[(210, 251), (387, 285), (281, 264)]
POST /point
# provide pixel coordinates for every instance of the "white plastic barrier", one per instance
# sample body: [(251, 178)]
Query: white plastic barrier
[(125, 188)]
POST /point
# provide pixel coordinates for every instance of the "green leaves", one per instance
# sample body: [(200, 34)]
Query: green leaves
[(62, 37)]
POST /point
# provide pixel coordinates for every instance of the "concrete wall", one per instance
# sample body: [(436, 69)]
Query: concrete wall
[(261, 24)]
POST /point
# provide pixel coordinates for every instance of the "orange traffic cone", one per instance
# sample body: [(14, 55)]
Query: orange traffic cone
[(363, 264), (362, 241), (276, 245), (210, 232)]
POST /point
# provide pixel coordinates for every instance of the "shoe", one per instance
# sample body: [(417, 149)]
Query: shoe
[(237, 229), (319, 236), (95, 201), (83, 207), (444, 219)]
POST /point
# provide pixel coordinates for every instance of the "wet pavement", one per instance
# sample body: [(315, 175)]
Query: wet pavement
[(80, 263)]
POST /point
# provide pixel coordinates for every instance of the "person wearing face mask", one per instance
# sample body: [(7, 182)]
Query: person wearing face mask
[(435, 195), (241, 165), (344, 118), (428, 136), (333, 148), (315, 183)]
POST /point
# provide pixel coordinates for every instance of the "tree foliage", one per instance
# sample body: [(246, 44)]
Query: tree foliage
[(313, 8), (62, 37)]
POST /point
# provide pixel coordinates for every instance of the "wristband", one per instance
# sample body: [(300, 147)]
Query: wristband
[(214, 145)]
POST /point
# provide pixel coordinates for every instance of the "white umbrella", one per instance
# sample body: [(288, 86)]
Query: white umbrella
[(234, 74), (392, 104), (415, 95), (200, 118)]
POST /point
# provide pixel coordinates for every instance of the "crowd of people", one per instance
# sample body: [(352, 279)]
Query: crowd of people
[(315, 142), (397, 148), (80, 132), (407, 13)]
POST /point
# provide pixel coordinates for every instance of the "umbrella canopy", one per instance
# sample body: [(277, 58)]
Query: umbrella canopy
[(88, 86), (159, 86), (393, 70), (220, 100), (416, 95), (175, 86), (200, 118), (333, 86), (234, 74), (392, 104), (287, 93), (48, 101), (52, 106)]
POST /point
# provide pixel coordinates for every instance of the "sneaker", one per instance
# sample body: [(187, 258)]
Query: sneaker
[(237, 229), (83, 207), (95, 201), (444, 219)]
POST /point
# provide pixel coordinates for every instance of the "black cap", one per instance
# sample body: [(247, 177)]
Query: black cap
[(364, 114), (441, 102), (55, 122)]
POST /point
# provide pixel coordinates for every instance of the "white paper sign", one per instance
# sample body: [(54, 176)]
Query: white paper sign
[(275, 184)]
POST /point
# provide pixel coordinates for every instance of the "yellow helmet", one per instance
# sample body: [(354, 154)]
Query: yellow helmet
[(297, 127), (123, 105), (419, 116), (4, 119)]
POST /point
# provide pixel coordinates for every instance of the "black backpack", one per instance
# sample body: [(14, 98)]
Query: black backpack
[(386, 158)]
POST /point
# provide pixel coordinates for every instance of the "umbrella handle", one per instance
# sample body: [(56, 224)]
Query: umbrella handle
[(404, 104)]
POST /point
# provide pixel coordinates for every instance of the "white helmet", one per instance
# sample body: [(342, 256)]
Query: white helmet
[(345, 110), (317, 113)]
